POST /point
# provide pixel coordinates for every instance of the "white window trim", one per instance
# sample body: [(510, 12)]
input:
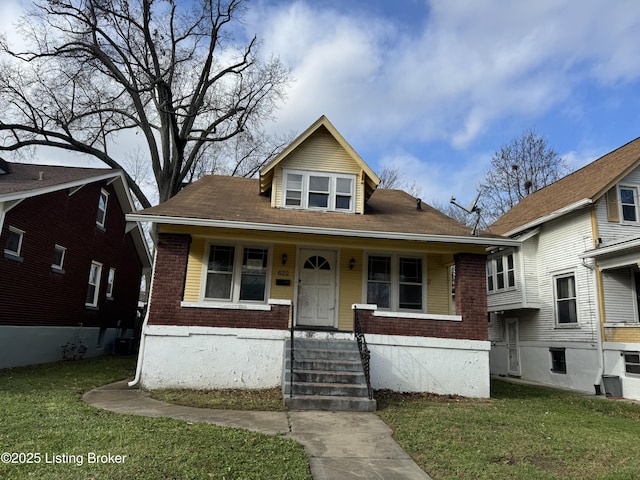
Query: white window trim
[(306, 174), (19, 251), (555, 278), (111, 279), (505, 271), (635, 204), (236, 274), (104, 193), (394, 294), (624, 360), (96, 293), (60, 266)]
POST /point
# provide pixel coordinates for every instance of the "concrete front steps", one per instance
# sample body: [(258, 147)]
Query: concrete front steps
[(327, 375)]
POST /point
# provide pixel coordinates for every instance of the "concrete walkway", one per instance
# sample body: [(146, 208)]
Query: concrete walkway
[(340, 445)]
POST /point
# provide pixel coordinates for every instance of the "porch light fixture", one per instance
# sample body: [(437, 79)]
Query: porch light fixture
[(284, 259), (352, 263)]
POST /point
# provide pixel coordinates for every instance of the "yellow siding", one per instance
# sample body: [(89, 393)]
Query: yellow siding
[(283, 272), (350, 287), (622, 335), (350, 282), (195, 269), (438, 285), (319, 153)]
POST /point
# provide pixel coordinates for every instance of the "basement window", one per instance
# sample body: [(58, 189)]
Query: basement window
[(558, 360), (632, 362)]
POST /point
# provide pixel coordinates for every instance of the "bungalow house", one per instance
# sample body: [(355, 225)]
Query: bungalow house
[(71, 265), (564, 305), (304, 251)]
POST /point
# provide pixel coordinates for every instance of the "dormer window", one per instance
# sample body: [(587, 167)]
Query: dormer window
[(319, 191)]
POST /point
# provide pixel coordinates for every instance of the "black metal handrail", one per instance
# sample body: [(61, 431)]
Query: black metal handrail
[(291, 357), (365, 355)]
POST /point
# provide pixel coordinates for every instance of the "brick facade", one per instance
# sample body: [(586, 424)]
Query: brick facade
[(471, 304), (168, 290), (31, 293)]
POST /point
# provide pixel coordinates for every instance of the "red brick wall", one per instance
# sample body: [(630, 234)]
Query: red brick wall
[(32, 294), (471, 303), (471, 294), (168, 289)]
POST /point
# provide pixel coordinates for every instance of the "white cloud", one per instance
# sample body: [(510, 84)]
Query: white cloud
[(472, 65)]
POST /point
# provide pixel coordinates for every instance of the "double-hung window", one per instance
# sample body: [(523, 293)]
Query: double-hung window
[(13, 247), (501, 273), (319, 191), (565, 293), (101, 216), (395, 282), (93, 288), (236, 274), (628, 203), (111, 279), (57, 262)]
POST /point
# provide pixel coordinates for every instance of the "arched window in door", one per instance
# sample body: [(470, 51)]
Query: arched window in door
[(318, 262)]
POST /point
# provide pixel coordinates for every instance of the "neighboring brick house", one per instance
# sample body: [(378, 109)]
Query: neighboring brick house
[(306, 244), (564, 305), (71, 265)]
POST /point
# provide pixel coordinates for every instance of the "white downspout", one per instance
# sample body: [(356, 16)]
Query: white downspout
[(595, 272), (136, 379)]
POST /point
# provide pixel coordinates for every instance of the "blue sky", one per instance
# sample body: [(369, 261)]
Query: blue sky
[(434, 88)]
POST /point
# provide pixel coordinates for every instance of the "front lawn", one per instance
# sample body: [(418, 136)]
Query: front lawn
[(523, 432), (44, 422)]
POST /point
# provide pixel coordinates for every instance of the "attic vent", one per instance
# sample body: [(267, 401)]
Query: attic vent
[(40, 176)]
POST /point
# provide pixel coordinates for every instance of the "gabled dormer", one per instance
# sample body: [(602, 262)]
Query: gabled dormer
[(319, 171)]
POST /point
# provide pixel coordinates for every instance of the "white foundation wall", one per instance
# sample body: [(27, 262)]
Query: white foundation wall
[(24, 345), (435, 365), (211, 358), (614, 365), (535, 364)]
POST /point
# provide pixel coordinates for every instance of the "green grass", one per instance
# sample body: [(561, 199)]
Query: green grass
[(41, 412), (229, 399), (523, 432)]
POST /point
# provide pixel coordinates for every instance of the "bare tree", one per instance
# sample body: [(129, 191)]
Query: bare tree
[(243, 155), (392, 178), (172, 72), (454, 212), (519, 168)]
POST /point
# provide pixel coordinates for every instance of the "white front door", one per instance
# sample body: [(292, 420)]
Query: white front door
[(316, 288), (513, 348)]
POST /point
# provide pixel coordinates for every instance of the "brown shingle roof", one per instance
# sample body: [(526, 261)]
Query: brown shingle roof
[(24, 177), (236, 199), (589, 182)]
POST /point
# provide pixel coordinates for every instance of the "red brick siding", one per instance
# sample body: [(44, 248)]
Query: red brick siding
[(168, 290), (471, 304), (31, 294), (471, 294)]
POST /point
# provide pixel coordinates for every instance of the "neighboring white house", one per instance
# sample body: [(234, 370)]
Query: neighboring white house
[(563, 307)]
